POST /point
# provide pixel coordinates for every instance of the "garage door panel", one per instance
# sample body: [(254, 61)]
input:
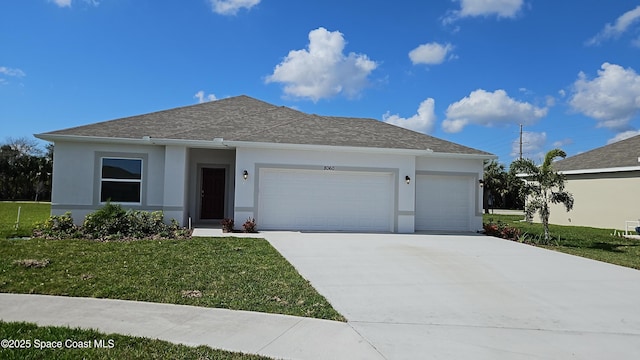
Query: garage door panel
[(443, 202), (325, 200)]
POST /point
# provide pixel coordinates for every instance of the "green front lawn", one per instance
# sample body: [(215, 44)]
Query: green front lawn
[(232, 273), (592, 243), (115, 346), (30, 213)]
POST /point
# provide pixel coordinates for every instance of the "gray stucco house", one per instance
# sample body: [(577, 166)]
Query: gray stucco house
[(240, 157)]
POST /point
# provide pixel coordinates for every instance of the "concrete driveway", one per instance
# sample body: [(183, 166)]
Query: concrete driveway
[(470, 296)]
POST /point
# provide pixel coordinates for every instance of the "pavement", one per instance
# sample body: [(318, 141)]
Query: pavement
[(276, 336), (424, 296), (406, 296)]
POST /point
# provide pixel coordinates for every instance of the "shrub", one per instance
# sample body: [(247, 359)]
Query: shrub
[(501, 230), (112, 222), (107, 222), (250, 226), (57, 227), (227, 225)]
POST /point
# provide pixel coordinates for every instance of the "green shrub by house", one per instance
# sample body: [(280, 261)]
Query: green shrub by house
[(112, 222)]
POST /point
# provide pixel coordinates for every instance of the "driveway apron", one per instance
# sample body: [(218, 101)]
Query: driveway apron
[(424, 296)]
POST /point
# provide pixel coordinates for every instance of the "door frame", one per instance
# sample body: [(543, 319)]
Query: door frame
[(198, 199)]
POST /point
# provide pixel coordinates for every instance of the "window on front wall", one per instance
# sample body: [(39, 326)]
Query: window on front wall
[(121, 180)]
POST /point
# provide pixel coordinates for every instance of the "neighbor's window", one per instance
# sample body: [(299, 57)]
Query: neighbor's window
[(121, 180)]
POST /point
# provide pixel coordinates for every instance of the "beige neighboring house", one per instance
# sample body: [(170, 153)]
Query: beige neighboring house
[(605, 183)]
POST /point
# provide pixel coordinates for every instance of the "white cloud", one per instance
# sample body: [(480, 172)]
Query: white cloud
[(322, 70), (470, 8), (62, 3), (623, 135), (11, 72), (622, 24), (533, 144), (562, 143), (612, 98), (200, 95), (422, 122), (488, 109), (231, 7), (430, 53)]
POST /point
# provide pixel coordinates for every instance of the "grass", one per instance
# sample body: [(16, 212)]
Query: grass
[(592, 243), (122, 347), (30, 213), (231, 273)]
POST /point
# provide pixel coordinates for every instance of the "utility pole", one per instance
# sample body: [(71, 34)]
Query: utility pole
[(520, 141)]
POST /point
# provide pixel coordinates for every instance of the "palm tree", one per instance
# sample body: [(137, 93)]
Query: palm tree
[(544, 186)]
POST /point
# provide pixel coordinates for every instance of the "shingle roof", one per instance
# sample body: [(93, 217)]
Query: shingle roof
[(623, 153), (243, 118)]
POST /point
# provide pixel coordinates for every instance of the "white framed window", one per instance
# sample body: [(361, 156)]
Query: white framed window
[(121, 180)]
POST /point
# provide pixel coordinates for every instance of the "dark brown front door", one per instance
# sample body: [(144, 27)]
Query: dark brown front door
[(212, 193)]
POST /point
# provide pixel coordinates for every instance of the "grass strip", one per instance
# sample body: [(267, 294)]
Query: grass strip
[(593, 243), (30, 213), (230, 273), (90, 344)]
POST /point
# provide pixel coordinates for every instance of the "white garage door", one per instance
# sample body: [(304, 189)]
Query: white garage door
[(443, 202), (325, 200)]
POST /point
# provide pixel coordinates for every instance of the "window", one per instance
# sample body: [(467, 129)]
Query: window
[(121, 180)]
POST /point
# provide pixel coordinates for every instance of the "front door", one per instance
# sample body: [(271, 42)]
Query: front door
[(212, 193)]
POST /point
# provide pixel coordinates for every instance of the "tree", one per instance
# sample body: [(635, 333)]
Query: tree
[(25, 170), (494, 182), (544, 186)]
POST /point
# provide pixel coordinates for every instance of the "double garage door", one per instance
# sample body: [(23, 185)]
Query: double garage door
[(325, 200), (444, 202)]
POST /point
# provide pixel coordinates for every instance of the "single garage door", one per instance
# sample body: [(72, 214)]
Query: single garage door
[(443, 202), (325, 200)]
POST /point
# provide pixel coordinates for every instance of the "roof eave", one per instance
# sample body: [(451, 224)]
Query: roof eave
[(600, 170), (221, 143)]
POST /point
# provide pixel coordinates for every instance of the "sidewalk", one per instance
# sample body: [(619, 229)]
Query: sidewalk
[(278, 336)]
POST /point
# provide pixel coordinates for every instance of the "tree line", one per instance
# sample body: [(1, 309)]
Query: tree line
[(25, 170)]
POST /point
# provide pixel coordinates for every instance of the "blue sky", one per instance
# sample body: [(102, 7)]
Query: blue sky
[(468, 71)]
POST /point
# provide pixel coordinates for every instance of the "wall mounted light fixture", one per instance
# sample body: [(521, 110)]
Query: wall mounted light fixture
[(407, 179), (481, 182), (245, 174)]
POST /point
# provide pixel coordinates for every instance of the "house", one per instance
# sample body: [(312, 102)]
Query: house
[(605, 184), (244, 158)]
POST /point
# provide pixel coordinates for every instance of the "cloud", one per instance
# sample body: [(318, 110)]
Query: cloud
[(473, 8), (423, 121), (11, 72), (488, 109), (322, 70), (204, 98), (533, 144), (612, 98), (623, 135), (231, 7), (562, 143), (62, 3), (430, 53), (622, 24)]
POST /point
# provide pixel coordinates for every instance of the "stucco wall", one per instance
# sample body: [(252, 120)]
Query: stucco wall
[(603, 200), (76, 165)]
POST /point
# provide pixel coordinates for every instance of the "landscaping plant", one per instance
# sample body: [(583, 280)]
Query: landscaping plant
[(544, 186)]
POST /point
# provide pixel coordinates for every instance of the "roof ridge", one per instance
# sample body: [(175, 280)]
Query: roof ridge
[(249, 113)]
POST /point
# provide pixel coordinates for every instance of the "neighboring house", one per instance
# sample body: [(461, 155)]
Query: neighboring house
[(243, 158), (605, 183)]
